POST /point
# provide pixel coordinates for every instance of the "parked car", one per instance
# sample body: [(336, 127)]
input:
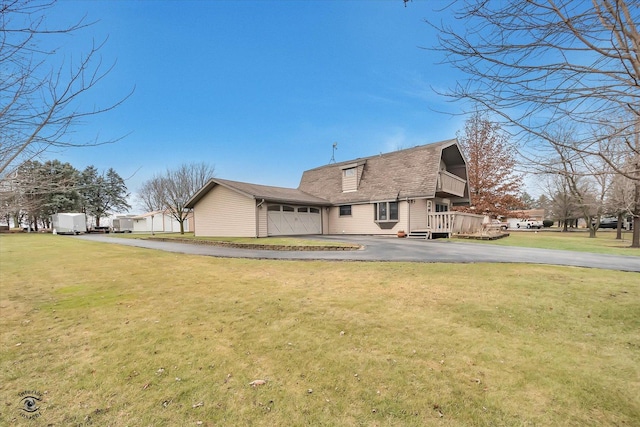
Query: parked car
[(529, 223), (608, 222)]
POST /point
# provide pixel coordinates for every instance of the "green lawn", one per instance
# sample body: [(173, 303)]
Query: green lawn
[(605, 241), (123, 336)]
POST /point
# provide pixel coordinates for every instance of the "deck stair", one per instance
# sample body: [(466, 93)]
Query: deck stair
[(445, 224), (419, 234)]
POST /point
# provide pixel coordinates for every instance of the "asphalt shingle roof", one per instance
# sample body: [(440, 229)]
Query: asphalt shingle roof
[(409, 173), (257, 191), (412, 172)]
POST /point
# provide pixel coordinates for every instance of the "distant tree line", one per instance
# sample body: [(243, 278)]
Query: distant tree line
[(36, 190)]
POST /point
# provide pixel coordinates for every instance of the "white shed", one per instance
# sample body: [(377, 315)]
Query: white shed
[(159, 222), (122, 224)]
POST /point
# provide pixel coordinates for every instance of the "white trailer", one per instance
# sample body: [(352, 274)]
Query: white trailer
[(69, 223), (122, 225)]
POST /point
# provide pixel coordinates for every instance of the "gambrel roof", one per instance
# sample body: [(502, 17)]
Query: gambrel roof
[(259, 192), (409, 173)]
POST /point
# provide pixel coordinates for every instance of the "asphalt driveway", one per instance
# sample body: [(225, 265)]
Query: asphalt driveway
[(394, 249)]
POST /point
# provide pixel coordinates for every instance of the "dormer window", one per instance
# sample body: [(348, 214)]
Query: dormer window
[(351, 174), (350, 179)]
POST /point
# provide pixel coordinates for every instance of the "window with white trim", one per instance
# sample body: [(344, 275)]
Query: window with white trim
[(385, 211), (442, 207), (349, 172)]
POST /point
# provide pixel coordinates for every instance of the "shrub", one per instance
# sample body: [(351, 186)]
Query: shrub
[(547, 223)]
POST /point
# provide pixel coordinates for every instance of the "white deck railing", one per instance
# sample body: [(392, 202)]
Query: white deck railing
[(454, 222), (450, 183)]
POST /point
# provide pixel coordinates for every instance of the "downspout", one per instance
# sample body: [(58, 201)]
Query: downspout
[(325, 213), (258, 206), (408, 215)]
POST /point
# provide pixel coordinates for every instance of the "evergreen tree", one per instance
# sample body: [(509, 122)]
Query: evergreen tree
[(62, 190), (527, 201), (40, 190), (103, 194)]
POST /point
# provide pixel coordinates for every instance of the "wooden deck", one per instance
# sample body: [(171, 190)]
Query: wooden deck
[(448, 223)]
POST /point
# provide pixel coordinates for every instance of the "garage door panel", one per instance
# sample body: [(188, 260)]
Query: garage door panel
[(310, 223), (289, 222), (282, 223)]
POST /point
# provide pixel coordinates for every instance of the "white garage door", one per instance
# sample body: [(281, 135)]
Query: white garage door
[(285, 220)]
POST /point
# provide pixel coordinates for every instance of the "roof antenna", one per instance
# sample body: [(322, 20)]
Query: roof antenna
[(333, 153)]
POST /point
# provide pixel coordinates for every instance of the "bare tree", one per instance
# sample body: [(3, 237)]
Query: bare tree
[(39, 103), (171, 190), (624, 197), (588, 178), (620, 200), (9, 200), (37, 190), (151, 195), (542, 64), (562, 204), (24, 193)]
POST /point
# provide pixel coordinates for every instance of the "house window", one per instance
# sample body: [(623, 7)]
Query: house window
[(314, 210), (349, 178), (442, 208), (382, 212), (345, 210), (303, 209), (393, 211), (386, 211), (273, 208), (286, 208), (349, 172)]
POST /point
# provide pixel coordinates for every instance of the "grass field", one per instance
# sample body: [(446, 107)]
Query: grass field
[(109, 335), (605, 241)]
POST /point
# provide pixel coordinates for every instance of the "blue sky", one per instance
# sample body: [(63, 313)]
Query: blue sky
[(259, 89)]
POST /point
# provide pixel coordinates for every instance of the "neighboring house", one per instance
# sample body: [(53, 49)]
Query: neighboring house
[(160, 222), (411, 190)]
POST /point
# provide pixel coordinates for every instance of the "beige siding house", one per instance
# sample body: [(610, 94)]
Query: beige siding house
[(410, 190), (240, 209)]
